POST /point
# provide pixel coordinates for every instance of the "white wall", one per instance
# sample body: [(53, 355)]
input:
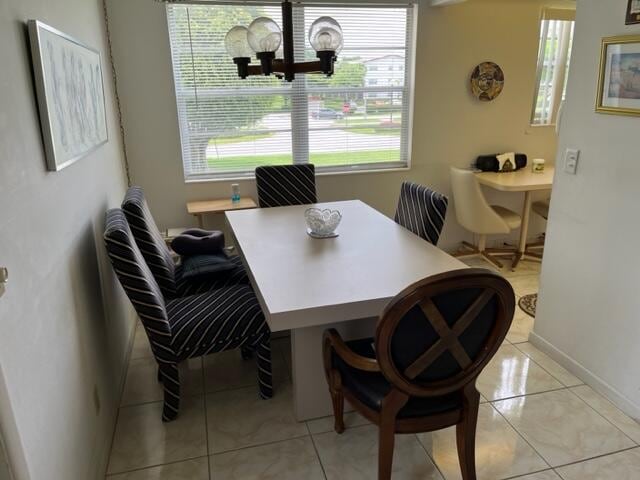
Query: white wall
[(589, 308), (450, 127), (64, 324)]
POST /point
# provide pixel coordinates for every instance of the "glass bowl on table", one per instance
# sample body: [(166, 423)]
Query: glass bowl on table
[(322, 223)]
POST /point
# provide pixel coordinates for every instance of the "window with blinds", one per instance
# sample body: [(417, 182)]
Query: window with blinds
[(556, 38), (357, 119)]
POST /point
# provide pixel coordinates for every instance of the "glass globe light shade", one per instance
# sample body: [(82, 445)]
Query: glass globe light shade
[(237, 44), (264, 35), (325, 35)]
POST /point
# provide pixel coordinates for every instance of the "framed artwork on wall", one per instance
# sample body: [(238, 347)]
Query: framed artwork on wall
[(619, 83), (633, 12), (70, 92)]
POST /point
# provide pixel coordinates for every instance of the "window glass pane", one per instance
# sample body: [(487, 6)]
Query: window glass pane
[(230, 125), (556, 37), (355, 128), (252, 130)]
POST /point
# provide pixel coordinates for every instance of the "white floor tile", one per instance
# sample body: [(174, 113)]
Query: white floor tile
[(353, 455), (561, 427), (500, 451), (288, 460), (240, 418), (621, 466), (142, 439)]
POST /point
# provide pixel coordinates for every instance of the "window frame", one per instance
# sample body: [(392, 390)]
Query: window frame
[(551, 14), (300, 109)]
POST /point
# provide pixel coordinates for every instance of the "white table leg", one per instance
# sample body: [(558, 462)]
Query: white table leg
[(310, 390), (524, 229)]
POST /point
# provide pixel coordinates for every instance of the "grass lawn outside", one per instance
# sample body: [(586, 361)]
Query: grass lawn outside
[(239, 139), (327, 159)]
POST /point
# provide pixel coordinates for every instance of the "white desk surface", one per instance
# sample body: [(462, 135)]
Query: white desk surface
[(302, 282), (523, 180)]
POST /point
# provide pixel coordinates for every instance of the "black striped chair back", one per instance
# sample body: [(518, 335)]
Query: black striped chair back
[(180, 328), (138, 282), (421, 211), (150, 241), (283, 185)]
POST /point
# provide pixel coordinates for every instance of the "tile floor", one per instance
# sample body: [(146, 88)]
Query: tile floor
[(537, 422)]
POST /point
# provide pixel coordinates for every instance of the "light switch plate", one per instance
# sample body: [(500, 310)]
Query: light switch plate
[(571, 158)]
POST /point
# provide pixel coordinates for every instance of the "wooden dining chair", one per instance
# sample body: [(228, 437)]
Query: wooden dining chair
[(283, 185), (418, 373)]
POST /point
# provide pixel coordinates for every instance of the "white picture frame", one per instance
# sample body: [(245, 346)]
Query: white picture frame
[(70, 94)]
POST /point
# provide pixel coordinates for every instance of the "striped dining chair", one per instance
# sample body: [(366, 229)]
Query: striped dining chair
[(421, 211), (283, 185), (192, 326), (158, 257)]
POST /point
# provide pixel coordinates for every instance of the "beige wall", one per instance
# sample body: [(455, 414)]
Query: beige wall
[(450, 127), (64, 323), (589, 307)]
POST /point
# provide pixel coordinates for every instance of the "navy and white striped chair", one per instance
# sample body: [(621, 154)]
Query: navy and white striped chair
[(158, 257), (283, 185), (422, 211), (187, 327)]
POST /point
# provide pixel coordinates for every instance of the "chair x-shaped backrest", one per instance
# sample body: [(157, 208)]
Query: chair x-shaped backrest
[(484, 324)]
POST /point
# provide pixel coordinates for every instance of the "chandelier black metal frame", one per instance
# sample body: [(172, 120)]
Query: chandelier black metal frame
[(264, 37)]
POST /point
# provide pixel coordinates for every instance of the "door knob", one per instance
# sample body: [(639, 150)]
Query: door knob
[(4, 279)]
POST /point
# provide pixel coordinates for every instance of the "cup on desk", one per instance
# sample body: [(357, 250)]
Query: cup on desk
[(537, 165)]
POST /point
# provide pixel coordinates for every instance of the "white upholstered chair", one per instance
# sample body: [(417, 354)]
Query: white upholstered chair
[(476, 215)]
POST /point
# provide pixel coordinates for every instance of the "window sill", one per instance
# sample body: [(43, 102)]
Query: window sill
[(251, 177)]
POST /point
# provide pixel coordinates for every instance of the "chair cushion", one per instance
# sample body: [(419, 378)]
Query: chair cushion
[(509, 216), (371, 387), (198, 242), (192, 285), (215, 321), (197, 265)]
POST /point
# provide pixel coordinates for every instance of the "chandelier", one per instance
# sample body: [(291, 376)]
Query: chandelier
[(264, 37)]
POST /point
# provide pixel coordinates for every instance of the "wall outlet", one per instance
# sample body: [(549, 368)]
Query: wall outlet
[(96, 399), (571, 158)]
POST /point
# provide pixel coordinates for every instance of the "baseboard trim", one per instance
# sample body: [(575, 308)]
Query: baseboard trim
[(595, 382)]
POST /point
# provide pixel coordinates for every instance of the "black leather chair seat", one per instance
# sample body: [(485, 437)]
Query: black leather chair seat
[(371, 387)]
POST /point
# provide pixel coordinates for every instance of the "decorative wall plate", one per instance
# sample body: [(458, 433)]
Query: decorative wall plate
[(487, 81)]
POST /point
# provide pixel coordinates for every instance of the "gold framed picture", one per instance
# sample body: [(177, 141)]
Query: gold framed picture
[(633, 12), (619, 83)]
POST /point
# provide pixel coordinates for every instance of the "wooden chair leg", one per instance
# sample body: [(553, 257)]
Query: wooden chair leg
[(466, 434), (391, 405), (386, 443), (337, 399)]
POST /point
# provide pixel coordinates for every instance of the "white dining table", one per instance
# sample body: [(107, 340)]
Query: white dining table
[(307, 285)]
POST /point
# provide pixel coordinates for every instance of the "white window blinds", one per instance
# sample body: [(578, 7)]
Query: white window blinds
[(358, 118), (556, 38)]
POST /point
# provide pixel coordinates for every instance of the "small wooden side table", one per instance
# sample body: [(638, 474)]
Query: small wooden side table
[(202, 207)]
